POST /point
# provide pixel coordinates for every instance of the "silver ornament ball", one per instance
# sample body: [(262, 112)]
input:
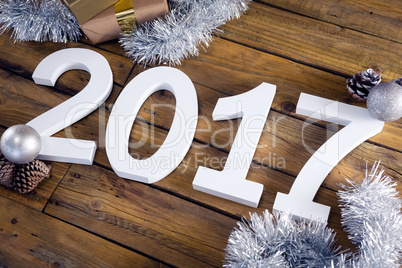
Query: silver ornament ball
[(20, 144), (384, 102)]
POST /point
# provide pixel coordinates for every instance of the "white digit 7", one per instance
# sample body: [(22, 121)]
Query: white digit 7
[(230, 183), (77, 107), (359, 126)]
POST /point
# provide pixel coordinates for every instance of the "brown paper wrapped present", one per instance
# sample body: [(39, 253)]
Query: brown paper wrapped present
[(87, 9), (121, 17)]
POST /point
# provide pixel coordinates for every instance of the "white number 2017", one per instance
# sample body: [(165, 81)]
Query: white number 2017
[(252, 106)]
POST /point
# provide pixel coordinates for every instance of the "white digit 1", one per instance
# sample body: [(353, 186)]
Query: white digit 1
[(77, 107), (179, 138), (359, 126), (230, 183)]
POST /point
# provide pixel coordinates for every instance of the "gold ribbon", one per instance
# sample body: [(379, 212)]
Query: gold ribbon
[(125, 15)]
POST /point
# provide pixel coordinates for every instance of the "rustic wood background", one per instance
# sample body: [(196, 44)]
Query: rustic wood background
[(86, 216)]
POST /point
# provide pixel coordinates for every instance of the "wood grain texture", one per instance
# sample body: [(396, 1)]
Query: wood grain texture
[(22, 58), (281, 137), (180, 181), (281, 149), (111, 46), (237, 75), (233, 69), (145, 219), (29, 238), (314, 42), (83, 211), (38, 198), (376, 18)]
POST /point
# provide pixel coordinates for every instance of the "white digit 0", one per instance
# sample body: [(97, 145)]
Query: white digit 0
[(230, 183), (77, 107), (179, 138), (359, 126)]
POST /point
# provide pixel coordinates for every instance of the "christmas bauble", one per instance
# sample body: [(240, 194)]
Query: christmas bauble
[(20, 144), (384, 101)]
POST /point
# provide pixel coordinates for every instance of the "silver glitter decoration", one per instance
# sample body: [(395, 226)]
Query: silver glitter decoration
[(384, 101), (181, 33), (371, 215), (38, 20), (20, 144)]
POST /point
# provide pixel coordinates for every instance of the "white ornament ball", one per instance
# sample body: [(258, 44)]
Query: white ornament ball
[(384, 102), (20, 144)]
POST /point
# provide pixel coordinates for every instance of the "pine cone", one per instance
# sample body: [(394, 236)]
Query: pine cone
[(360, 84), (7, 171), (398, 81), (29, 175)]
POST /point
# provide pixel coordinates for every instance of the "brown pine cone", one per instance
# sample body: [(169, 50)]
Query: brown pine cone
[(29, 175), (360, 84), (7, 171)]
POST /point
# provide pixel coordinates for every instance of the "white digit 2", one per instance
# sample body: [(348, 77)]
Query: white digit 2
[(179, 138), (230, 183), (77, 107), (359, 126)]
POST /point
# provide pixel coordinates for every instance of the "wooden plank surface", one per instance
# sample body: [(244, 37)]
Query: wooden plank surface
[(327, 46), (142, 218), (292, 44), (180, 181), (22, 58), (29, 238), (381, 19)]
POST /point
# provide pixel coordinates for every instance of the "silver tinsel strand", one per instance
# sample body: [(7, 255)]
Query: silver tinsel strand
[(280, 241), (168, 40), (38, 20), (181, 33), (371, 215)]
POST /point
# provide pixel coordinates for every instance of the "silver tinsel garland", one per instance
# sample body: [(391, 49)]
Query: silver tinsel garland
[(179, 35), (38, 20), (280, 241), (169, 40), (371, 215)]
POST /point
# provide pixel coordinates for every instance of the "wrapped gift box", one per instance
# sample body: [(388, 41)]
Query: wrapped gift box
[(87, 9), (121, 17)]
